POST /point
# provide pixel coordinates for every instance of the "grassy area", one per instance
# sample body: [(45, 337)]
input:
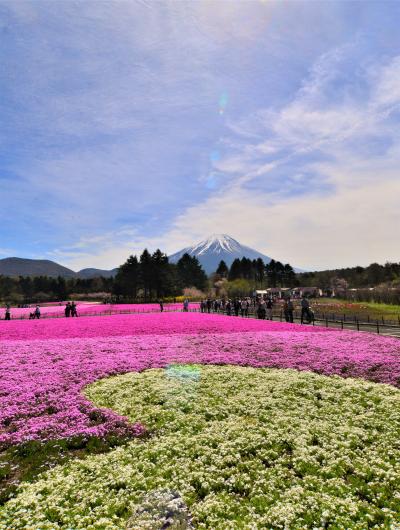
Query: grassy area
[(338, 307)]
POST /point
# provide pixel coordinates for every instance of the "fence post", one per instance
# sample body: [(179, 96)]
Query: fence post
[(377, 326), (358, 325), (342, 323)]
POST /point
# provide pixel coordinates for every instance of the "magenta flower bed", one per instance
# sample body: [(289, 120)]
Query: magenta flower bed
[(41, 380), (85, 308), (147, 323)]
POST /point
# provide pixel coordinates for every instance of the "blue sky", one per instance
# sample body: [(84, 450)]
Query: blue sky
[(140, 123)]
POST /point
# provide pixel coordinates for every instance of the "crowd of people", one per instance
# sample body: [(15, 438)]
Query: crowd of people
[(69, 311), (261, 306)]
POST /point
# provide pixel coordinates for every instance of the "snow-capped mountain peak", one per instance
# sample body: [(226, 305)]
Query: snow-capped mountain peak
[(216, 243), (218, 247)]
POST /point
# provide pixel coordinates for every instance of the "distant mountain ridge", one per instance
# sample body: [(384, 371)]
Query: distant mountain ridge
[(209, 252), (45, 267), (95, 273), (218, 247)]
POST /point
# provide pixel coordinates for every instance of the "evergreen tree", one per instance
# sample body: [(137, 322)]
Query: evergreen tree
[(61, 288), (259, 271), (289, 276), (146, 273), (247, 270), (127, 279), (235, 272), (160, 273), (222, 269), (280, 273), (190, 272), (270, 271)]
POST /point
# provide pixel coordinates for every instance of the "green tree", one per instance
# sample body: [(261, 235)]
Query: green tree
[(271, 273), (259, 271), (160, 274), (127, 279), (235, 272), (289, 276), (191, 273), (222, 269), (146, 273), (238, 288)]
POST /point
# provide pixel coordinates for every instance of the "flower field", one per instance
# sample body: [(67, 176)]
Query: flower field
[(237, 423), (88, 308)]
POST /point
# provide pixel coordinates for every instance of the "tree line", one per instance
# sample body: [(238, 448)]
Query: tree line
[(27, 289), (272, 274), (354, 277), (151, 277)]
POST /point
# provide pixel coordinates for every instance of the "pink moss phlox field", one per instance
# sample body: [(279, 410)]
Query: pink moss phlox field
[(41, 380), (146, 323), (85, 308)]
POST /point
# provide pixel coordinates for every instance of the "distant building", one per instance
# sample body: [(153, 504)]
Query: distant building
[(275, 292), (299, 292)]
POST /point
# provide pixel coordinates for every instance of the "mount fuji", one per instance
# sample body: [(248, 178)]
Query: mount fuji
[(216, 248)]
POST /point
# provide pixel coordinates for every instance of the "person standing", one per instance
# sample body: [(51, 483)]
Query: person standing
[(186, 305), (209, 304), (228, 308), (305, 309), (8, 312), (37, 312), (270, 305), (161, 306), (291, 309), (67, 309), (74, 311), (236, 307), (261, 309)]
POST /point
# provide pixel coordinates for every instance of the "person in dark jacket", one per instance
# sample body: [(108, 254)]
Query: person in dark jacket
[(67, 309), (270, 306), (288, 310), (305, 309), (8, 313), (74, 311), (261, 310)]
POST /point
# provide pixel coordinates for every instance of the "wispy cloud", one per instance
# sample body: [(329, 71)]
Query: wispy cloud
[(349, 144), (129, 124)]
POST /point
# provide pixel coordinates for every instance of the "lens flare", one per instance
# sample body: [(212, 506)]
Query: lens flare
[(223, 102)]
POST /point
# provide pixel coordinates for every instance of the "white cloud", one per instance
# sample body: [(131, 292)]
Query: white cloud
[(357, 221)]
